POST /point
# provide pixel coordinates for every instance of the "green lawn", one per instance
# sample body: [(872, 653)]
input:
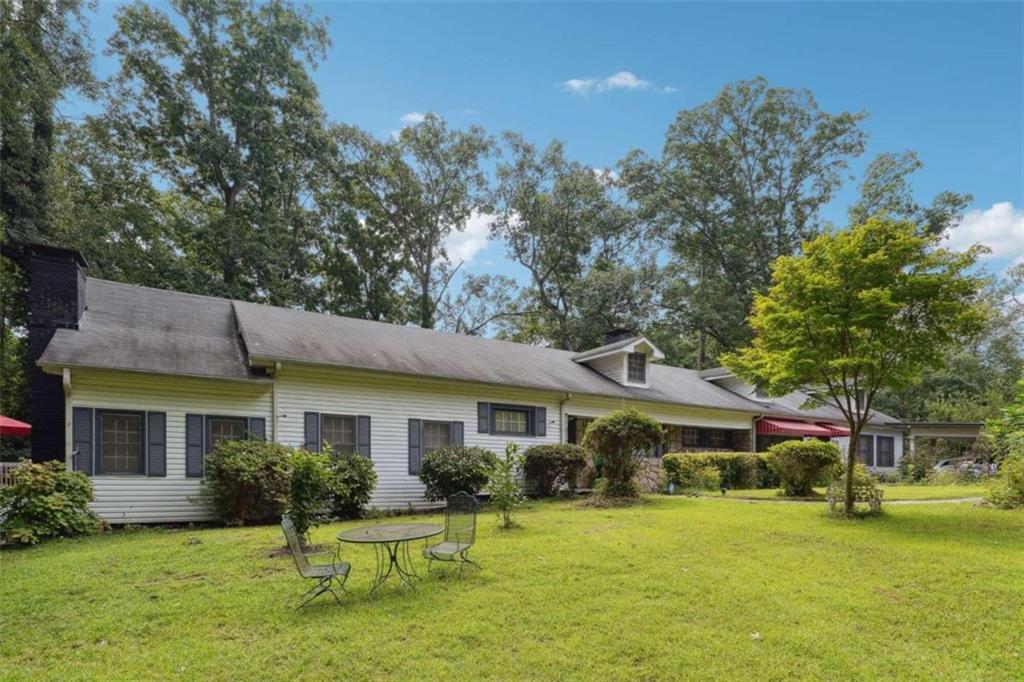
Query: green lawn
[(892, 492), (675, 588)]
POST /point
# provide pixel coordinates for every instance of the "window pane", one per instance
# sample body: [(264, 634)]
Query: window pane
[(865, 450), (691, 437), (637, 363), (718, 438), (886, 451), (121, 436), (511, 421), (435, 435), (340, 433), (226, 429), (675, 438)]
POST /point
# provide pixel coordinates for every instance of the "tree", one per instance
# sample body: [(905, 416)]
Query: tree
[(886, 192), (619, 442), (740, 183), (588, 265), (423, 185), (483, 301), (860, 311), (219, 101)]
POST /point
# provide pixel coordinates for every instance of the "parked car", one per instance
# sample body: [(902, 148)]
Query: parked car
[(966, 465)]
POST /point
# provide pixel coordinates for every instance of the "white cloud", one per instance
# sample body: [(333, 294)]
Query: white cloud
[(1000, 228), (607, 176), (620, 80), (462, 246), (412, 118)]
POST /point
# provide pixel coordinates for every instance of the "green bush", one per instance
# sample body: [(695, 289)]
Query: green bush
[(506, 494), (800, 463), (46, 501), (1006, 490), (620, 441), (446, 471), (690, 473), (548, 467), (308, 489), (247, 480), (737, 470), (353, 479)]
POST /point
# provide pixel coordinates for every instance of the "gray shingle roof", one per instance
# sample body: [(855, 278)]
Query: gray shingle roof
[(292, 335), (136, 328)]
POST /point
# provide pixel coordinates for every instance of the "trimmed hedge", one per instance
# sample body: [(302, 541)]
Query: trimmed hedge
[(248, 480), (690, 474), (801, 463), (736, 470), (456, 468), (548, 467)]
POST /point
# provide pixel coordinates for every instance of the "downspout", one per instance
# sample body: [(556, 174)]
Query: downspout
[(753, 433), (68, 435), (273, 402), (561, 416)]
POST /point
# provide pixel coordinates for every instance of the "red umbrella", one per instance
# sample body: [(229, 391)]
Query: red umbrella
[(13, 427)]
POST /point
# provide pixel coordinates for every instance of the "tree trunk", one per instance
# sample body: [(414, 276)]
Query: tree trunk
[(851, 460)]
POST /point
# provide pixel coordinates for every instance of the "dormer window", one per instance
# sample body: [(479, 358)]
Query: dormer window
[(637, 368)]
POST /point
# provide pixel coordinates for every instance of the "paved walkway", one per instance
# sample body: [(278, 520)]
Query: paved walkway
[(952, 500)]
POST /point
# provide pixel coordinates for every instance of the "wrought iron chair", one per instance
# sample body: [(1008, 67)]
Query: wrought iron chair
[(326, 575), (459, 533)]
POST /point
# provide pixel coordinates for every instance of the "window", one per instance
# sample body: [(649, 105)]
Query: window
[(436, 435), (511, 420), (691, 437), (717, 438), (636, 364), (674, 438), (578, 427), (886, 451), (866, 450), (339, 432), (120, 443), (225, 428)]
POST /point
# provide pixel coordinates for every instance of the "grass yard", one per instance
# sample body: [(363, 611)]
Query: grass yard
[(675, 588), (892, 492)]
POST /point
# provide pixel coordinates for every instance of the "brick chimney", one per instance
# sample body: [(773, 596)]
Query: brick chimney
[(56, 301), (618, 334)]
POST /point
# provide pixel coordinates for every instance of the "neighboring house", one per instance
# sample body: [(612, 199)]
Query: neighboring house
[(133, 386)]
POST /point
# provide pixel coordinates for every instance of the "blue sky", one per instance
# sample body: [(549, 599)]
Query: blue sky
[(942, 79)]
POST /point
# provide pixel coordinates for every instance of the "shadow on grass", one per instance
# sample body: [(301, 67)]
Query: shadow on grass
[(957, 524)]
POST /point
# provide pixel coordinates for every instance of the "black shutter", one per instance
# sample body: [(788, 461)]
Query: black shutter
[(156, 443), (572, 430), (457, 433), (483, 417), (363, 435), (194, 452), (312, 437), (257, 428), (415, 445), (81, 437), (540, 415)]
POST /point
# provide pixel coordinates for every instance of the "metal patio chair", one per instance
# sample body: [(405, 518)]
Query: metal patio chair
[(459, 533), (326, 575)]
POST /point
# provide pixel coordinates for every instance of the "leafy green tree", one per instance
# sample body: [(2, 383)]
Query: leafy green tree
[(589, 270), (740, 182), (217, 99), (1007, 430), (422, 186), (861, 310), (483, 301), (506, 493), (619, 442), (886, 192)]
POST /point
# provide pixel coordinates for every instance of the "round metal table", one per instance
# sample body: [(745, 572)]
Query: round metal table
[(391, 547)]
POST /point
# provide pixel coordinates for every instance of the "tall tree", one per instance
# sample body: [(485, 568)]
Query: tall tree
[(589, 268), (219, 101), (741, 181), (44, 52), (886, 192), (863, 310), (424, 185)]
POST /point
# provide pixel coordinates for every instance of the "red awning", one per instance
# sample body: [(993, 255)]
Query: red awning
[(13, 427), (785, 427), (835, 430)]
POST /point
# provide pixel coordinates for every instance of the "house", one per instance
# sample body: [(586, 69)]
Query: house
[(133, 386)]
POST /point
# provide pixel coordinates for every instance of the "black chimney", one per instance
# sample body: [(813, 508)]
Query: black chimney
[(618, 335), (56, 301)]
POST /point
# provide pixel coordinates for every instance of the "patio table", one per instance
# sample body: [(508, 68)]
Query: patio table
[(391, 547)]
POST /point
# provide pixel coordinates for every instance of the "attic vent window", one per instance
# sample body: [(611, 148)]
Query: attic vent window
[(637, 368)]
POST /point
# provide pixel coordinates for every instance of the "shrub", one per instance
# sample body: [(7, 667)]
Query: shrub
[(620, 441), (690, 473), (1006, 490), (799, 463), (506, 494), (308, 489), (46, 501), (737, 470), (446, 471), (353, 479), (247, 480), (548, 467)]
